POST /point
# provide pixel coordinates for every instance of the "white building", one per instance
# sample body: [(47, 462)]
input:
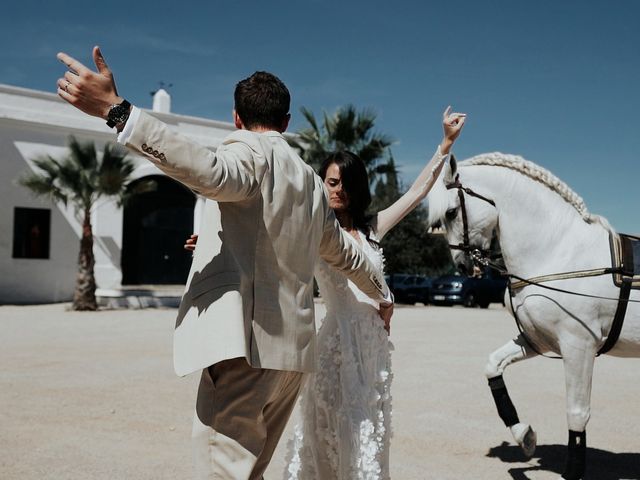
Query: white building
[(135, 247)]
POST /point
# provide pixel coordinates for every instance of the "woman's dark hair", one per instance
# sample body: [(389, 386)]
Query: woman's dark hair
[(355, 182)]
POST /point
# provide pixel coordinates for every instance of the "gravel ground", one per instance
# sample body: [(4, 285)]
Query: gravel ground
[(93, 396)]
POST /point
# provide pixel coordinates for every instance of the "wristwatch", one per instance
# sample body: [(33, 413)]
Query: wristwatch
[(118, 113)]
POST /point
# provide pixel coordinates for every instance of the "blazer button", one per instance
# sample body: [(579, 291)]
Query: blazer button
[(144, 147), (162, 157), (155, 153)]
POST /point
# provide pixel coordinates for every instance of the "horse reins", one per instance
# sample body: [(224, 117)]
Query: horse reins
[(483, 257), (618, 318)]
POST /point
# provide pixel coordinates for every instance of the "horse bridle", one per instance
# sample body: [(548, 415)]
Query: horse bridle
[(477, 255), (483, 257)]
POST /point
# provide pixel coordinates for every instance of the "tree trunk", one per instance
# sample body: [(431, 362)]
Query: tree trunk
[(84, 297)]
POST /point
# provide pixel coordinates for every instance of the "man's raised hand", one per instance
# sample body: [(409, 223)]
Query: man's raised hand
[(91, 92)]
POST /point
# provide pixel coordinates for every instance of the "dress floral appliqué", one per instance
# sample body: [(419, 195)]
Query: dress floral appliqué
[(345, 429)]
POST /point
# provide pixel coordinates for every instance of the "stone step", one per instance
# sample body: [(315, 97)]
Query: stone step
[(140, 296)]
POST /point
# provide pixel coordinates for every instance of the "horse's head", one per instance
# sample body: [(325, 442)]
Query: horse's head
[(467, 213)]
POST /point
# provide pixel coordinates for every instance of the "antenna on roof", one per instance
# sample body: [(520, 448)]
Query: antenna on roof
[(161, 86)]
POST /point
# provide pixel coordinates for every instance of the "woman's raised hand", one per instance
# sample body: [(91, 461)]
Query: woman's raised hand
[(452, 124)]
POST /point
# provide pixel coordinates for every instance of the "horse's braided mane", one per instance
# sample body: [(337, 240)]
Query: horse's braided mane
[(535, 172)]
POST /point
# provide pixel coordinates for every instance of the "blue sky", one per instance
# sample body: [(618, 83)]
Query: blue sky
[(554, 81)]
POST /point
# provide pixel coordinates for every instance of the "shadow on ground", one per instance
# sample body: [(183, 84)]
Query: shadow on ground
[(601, 465)]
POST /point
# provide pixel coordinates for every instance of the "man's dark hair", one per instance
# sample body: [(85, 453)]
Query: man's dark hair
[(262, 100)]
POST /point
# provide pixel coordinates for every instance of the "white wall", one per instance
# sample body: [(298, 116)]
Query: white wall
[(32, 280), (33, 123)]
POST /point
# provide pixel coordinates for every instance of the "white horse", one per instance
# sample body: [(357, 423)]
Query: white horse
[(543, 228)]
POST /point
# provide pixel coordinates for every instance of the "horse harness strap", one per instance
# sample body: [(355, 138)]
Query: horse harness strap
[(625, 254), (468, 191), (562, 276), (618, 318), (465, 246), (626, 259), (616, 325)]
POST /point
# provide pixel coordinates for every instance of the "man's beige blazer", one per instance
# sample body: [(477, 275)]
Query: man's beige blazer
[(250, 288)]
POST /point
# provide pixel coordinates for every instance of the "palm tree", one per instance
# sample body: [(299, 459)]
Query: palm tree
[(408, 248), (81, 178), (346, 129)]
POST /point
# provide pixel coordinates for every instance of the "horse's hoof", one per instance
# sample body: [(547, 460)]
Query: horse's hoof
[(526, 438), (529, 443)]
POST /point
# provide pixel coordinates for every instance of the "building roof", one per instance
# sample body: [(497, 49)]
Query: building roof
[(47, 110)]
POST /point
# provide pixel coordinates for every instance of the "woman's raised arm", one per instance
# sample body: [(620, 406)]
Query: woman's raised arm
[(388, 218)]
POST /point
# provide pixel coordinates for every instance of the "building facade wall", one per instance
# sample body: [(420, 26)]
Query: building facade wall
[(36, 123), (26, 280)]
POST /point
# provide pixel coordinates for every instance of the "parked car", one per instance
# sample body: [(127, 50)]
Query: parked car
[(419, 291), (474, 291), (396, 283), (408, 288)]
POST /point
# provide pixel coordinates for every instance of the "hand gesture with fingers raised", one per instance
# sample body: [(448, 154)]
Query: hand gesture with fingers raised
[(91, 92), (452, 124)]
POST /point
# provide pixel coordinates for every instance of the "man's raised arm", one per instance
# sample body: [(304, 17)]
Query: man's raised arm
[(227, 175)]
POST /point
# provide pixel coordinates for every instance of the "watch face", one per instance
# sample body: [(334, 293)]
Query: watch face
[(118, 113)]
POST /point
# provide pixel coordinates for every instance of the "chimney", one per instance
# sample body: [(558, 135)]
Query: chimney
[(162, 101)]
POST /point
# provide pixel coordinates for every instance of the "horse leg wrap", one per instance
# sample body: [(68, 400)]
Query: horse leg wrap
[(506, 410), (576, 456)]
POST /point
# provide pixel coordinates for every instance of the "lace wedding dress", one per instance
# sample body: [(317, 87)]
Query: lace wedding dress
[(345, 429)]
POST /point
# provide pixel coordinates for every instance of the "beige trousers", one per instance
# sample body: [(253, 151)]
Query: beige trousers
[(241, 413)]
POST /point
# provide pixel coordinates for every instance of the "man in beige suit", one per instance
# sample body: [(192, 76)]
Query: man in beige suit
[(246, 318)]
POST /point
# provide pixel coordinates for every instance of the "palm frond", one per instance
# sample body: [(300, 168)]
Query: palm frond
[(347, 129), (113, 171), (79, 178), (42, 186), (48, 165), (388, 168), (310, 118), (83, 154), (373, 151), (328, 137)]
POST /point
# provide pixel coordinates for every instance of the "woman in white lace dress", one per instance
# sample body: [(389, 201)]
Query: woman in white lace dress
[(346, 405)]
